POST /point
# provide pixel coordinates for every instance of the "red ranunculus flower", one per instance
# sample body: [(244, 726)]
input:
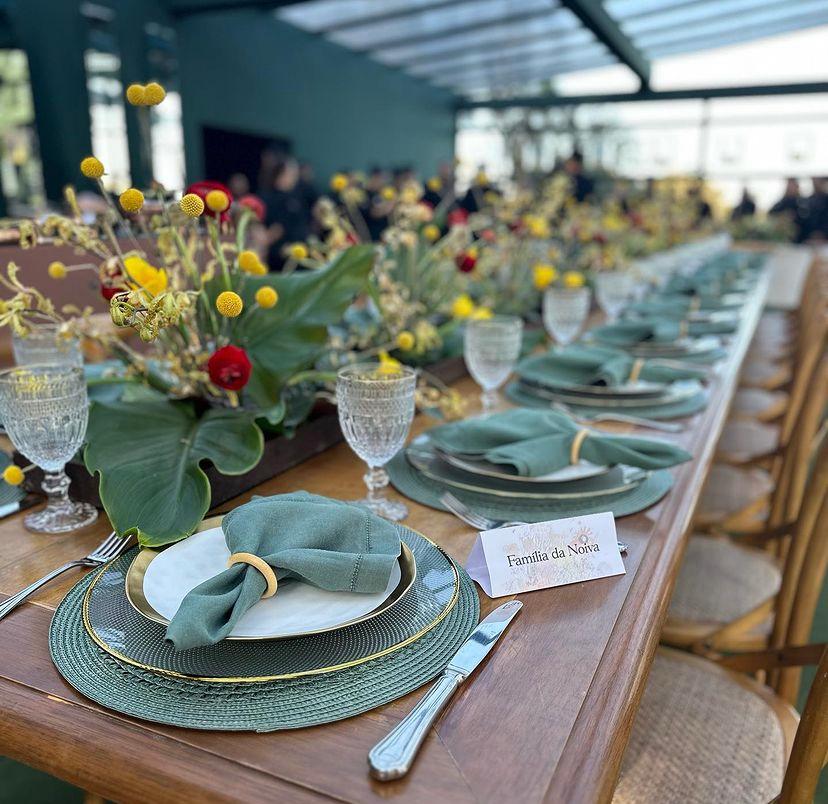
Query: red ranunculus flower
[(457, 217), (599, 237), (465, 262), (108, 291), (488, 235), (201, 188), (254, 204), (229, 368)]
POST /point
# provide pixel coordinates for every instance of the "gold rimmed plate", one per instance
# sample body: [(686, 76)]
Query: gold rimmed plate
[(156, 582)]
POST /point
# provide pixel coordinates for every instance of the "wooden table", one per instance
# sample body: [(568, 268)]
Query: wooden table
[(546, 717)]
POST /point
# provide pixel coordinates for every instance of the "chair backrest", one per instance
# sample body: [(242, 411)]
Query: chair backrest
[(810, 746)]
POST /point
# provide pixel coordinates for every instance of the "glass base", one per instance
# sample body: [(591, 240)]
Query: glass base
[(382, 506), (61, 517)]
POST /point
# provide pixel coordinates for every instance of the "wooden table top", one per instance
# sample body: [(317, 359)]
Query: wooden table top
[(545, 718)]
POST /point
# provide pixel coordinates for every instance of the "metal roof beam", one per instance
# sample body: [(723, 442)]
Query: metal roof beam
[(189, 8), (391, 16), (592, 14), (549, 101)]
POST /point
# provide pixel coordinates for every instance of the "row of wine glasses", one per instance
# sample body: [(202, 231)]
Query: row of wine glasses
[(45, 410)]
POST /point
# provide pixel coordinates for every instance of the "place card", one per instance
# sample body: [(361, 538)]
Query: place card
[(506, 561)]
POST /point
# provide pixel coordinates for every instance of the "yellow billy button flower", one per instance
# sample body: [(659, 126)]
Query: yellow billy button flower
[(462, 306), (298, 251), (146, 276), (388, 193), (92, 168), (339, 181), (229, 304), (57, 270), (131, 200), (191, 205), (573, 279), (543, 275), (266, 297), (431, 232), (481, 177), (13, 475), (435, 184), (482, 314), (406, 340), (250, 263), (217, 201), (136, 94), (388, 364), (154, 93)]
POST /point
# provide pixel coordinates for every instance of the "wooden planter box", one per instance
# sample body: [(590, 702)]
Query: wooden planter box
[(281, 453)]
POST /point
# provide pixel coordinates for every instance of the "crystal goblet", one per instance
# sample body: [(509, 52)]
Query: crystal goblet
[(613, 290), (376, 407), (45, 410), (491, 348), (44, 344), (564, 312)]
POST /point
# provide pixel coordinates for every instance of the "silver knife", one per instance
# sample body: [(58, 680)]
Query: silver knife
[(393, 756)]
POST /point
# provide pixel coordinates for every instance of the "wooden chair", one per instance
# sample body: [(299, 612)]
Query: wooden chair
[(733, 591), (706, 731)]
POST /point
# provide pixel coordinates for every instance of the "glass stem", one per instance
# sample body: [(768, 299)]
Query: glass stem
[(56, 486), (489, 401), (376, 479)]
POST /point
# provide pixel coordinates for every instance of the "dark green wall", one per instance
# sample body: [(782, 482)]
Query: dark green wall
[(248, 71)]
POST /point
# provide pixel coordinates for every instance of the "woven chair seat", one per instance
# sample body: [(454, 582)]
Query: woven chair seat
[(762, 374), (742, 441), (704, 735), (731, 492), (759, 404), (720, 580)]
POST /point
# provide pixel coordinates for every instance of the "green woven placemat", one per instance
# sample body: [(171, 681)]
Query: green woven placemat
[(253, 706), (407, 480), (685, 407)]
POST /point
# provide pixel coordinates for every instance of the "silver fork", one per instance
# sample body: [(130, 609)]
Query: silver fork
[(109, 548), (653, 424), (480, 522)]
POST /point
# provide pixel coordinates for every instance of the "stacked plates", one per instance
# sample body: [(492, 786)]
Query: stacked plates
[(681, 348)]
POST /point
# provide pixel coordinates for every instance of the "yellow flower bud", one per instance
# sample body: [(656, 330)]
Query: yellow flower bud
[(406, 340), (462, 306), (573, 279), (481, 177), (57, 270), (191, 205), (131, 200), (388, 193), (13, 475), (435, 184), (266, 297), (339, 181), (431, 232), (482, 314), (298, 251), (92, 167), (543, 275), (229, 304), (217, 201), (154, 93), (136, 94), (388, 364), (250, 263)]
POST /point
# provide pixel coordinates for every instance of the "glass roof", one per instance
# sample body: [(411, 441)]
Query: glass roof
[(476, 48)]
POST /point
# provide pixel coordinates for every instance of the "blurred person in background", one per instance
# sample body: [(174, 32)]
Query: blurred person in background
[(704, 211), (287, 218), (375, 209), (745, 208), (582, 185), (306, 186), (792, 205), (815, 224)]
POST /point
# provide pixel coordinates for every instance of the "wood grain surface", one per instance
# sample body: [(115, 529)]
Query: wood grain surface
[(546, 718)]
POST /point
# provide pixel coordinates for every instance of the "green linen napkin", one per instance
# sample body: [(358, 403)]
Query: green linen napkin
[(331, 544), (537, 442), (657, 330), (597, 365)]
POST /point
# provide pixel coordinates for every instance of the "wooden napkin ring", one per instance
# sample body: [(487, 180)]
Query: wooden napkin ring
[(575, 449), (260, 564), (637, 365)]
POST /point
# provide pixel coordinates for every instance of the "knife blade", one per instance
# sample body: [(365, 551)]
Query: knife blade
[(392, 757)]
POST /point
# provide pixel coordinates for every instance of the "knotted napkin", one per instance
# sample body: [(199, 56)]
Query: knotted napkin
[(598, 365), (328, 543), (658, 330), (537, 442)]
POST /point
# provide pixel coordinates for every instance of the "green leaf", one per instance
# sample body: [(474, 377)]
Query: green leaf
[(292, 335), (148, 453)]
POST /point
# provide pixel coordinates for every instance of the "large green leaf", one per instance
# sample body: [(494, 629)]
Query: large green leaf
[(290, 337), (148, 452)]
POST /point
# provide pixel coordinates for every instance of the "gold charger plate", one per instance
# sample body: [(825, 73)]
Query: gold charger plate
[(134, 587)]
